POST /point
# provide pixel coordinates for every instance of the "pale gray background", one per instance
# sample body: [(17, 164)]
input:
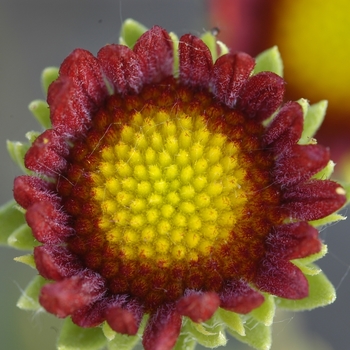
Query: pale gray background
[(38, 33)]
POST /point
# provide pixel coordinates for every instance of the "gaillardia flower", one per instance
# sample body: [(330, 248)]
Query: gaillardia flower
[(174, 199)]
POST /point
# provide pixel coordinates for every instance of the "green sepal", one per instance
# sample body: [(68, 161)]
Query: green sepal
[(185, 342), (130, 32), (175, 41), (326, 172), (313, 120), (73, 337), (22, 238), (327, 220), (269, 60), (29, 298), (10, 219), (223, 49), (257, 335), (208, 333), (231, 320), (321, 293), (210, 40), (40, 110), (48, 75), (309, 269), (123, 342), (27, 259), (304, 103), (314, 257), (266, 311), (32, 135), (17, 151), (108, 331), (346, 187)]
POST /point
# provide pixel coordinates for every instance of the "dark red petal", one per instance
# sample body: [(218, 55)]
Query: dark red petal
[(124, 319), (163, 329), (48, 223), (294, 241), (314, 200), (91, 315), (199, 307), (239, 297), (30, 189), (195, 61), (122, 68), (46, 155), (71, 294), (286, 128), (261, 95), (155, 49), (71, 108), (229, 74), (56, 262), (84, 70), (300, 164), (281, 278)]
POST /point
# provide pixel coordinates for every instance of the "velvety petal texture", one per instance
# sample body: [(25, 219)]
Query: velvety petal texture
[(158, 198)]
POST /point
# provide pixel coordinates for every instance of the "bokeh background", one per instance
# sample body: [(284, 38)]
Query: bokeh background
[(35, 34)]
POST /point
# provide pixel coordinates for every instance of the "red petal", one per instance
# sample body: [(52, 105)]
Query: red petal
[(261, 95), (286, 128), (71, 108), (46, 155), (71, 294), (281, 278), (195, 61), (294, 241), (56, 262), (91, 315), (30, 189), (300, 164), (238, 297), (314, 200), (84, 70), (199, 307), (125, 320), (162, 330), (230, 73), (155, 49), (122, 68), (49, 224)]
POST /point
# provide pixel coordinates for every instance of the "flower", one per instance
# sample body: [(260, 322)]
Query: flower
[(312, 38), (167, 201)]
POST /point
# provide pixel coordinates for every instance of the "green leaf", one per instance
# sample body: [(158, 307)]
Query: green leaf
[(26, 259), (40, 110), (313, 120), (266, 312), (22, 238), (269, 60), (17, 151), (130, 32), (10, 219), (29, 298), (48, 75), (207, 333), (232, 320), (257, 335), (73, 337), (321, 293)]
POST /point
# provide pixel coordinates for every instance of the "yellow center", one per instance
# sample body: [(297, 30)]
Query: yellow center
[(168, 187)]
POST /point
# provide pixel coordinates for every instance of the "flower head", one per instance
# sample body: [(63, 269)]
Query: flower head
[(172, 195)]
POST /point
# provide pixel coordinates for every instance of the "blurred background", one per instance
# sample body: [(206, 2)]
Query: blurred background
[(314, 40)]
